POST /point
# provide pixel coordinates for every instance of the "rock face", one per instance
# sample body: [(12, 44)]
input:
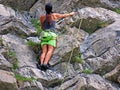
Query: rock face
[(80, 60), (87, 82), (19, 5), (103, 48), (64, 49), (14, 22), (67, 6)]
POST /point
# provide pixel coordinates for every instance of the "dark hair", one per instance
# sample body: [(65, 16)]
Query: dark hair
[(48, 9)]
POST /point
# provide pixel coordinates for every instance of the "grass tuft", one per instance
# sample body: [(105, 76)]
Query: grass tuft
[(87, 71), (117, 11), (24, 79)]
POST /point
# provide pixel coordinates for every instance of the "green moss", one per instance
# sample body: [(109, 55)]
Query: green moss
[(1, 41), (23, 36), (117, 11), (36, 47), (78, 59), (24, 79), (11, 54), (14, 62), (31, 43), (87, 71), (15, 65)]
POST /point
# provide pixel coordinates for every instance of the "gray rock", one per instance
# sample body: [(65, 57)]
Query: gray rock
[(38, 9), (19, 5), (24, 55), (101, 50), (112, 4), (6, 11), (114, 75), (95, 82), (34, 39), (7, 81), (48, 78), (34, 85), (87, 82), (78, 81), (4, 64), (14, 22), (66, 45)]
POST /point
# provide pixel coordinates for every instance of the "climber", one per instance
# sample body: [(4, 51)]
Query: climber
[(48, 24)]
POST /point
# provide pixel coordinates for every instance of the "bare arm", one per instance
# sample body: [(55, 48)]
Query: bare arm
[(58, 16)]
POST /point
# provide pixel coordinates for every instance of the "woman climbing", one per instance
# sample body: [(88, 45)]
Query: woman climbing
[(48, 24)]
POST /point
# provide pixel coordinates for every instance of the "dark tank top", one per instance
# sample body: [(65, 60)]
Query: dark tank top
[(48, 26)]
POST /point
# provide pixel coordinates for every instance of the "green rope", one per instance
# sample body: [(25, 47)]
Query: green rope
[(70, 58)]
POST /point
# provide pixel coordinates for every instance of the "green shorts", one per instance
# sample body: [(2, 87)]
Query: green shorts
[(48, 39), (50, 42)]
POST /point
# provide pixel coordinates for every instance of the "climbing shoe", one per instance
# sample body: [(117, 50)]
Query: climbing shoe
[(40, 66), (45, 66)]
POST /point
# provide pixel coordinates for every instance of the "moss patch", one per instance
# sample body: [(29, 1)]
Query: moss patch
[(24, 79), (36, 47)]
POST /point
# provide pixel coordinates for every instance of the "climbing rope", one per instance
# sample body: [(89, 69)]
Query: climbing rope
[(67, 68)]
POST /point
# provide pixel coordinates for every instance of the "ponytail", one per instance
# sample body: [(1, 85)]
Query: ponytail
[(48, 19), (48, 9)]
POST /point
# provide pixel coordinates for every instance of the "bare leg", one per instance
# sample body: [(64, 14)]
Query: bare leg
[(49, 54), (43, 55)]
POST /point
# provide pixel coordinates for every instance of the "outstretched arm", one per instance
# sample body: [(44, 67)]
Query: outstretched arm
[(58, 16)]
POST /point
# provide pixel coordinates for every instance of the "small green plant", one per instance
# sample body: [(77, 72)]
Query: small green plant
[(1, 40), (24, 79), (31, 43), (117, 11), (15, 65), (36, 24), (23, 36), (103, 24), (87, 71), (89, 31), (12, 56), (78, 59), (11, 53), (34, 46)]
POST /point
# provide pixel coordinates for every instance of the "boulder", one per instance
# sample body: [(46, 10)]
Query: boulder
[(21, 5), (87, 82), (15, 22), (67, 6), (114, 75), (91, 21), (49, 78), (4, 64), (101, 49), (24, 55), (7, 81)]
